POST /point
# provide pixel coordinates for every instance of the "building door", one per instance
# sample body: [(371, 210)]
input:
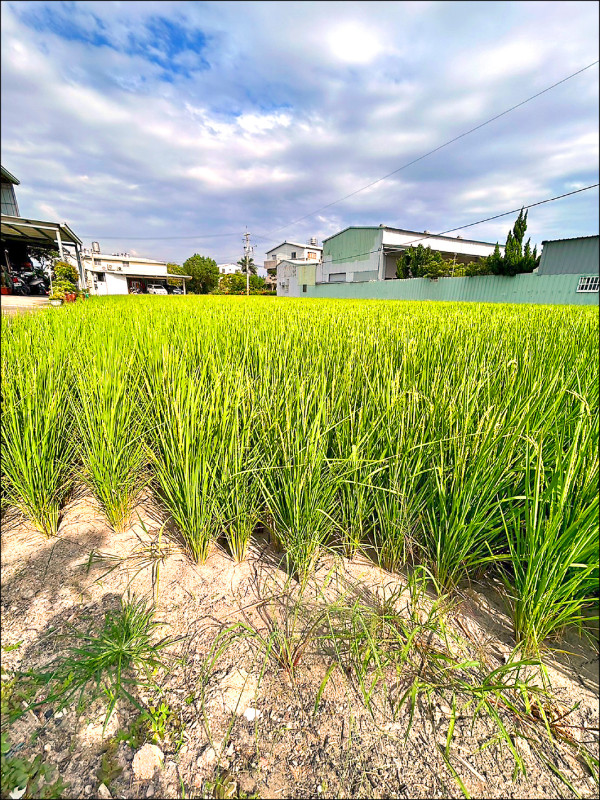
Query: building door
[(100, 283)]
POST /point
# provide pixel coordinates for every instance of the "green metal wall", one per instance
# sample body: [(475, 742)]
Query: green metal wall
[(528, 288), (354, 244)]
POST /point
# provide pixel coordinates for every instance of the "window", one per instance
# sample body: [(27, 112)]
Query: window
[(337, 277), (100, 276), (293, 254), (588, 283), (303, 287), (126, 264), (311, 254), (97, 262)]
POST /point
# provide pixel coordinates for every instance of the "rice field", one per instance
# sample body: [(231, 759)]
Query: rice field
[(458, 437)]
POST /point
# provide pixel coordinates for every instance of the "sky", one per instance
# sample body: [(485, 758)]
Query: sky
[(165, 129)]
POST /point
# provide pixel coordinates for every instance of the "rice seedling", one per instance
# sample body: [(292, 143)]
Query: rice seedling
[(37, 429), (110, 425)]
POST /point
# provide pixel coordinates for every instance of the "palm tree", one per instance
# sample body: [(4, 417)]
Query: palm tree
[(250, 262)]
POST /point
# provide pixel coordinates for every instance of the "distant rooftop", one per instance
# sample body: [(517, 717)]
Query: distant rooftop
[(296, 244)]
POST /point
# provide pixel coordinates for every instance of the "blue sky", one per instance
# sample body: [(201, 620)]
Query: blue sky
[(199, 119)]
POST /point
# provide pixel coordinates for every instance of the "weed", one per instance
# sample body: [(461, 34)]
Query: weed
[(150, 551), (112, 661), (109, 769), (16, 693), (25, 776)]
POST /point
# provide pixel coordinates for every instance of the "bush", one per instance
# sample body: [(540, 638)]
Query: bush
[(63, 271)]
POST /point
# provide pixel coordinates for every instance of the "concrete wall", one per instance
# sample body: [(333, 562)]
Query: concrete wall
[(116, 284), (571, 256), (529, 288)]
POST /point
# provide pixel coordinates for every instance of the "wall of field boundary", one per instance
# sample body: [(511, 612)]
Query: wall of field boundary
[(528, 288)]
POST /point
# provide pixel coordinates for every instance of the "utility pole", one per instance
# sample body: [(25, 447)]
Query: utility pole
[(247, 250)]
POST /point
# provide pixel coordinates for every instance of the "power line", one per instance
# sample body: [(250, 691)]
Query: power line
[(357, 191), (470, 224), (431, 152)]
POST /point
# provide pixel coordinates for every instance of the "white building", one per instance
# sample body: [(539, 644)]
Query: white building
[(232, 269), (293, 251), (122, 273), (286, 262)]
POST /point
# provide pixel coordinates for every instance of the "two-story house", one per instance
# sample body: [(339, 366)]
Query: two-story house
[(122, 273), (292, 264)]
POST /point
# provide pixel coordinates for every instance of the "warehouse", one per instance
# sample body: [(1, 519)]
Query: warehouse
[(577, 256), (359, 254)]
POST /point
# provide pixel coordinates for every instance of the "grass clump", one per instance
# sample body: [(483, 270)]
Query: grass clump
[(112, 662)]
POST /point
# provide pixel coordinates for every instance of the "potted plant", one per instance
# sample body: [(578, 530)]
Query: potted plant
[(56, 299)]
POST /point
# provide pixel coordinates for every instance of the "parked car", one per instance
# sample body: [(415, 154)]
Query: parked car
[(176, 290), (156, 288)]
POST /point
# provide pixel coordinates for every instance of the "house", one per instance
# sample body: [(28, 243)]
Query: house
[(121, 273), (284, 261), (294, 251), (231, 269), (577, 256), (359, 254), (19, 234)]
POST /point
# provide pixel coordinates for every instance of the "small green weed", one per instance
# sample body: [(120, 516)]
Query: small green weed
[(20, 774), (225, 787), (15, 690), (109, 768), (158, 724)]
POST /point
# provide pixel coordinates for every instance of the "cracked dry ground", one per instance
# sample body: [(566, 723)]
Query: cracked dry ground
[(282, 746)]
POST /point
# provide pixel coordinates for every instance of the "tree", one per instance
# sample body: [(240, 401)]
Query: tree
[(236, 284), (175, 269), (422, 262), (204, 272), (250, 262), (516, 259), (45, 256)]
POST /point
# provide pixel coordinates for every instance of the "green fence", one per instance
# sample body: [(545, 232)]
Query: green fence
[(529, 288)]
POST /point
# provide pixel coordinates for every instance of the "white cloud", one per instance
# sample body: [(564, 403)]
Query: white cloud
[(263, 129)]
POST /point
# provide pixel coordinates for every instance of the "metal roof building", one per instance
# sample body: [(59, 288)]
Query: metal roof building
[(578, 256)]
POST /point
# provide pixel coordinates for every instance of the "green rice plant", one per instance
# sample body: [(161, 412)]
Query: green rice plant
[(298, 491), (184, 448), (110, 426), (112, 662), (552, 536), (38, 440)]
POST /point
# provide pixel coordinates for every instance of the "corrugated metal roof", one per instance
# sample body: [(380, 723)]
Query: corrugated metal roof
[(570, 239), (421, 234), (9, 176)]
